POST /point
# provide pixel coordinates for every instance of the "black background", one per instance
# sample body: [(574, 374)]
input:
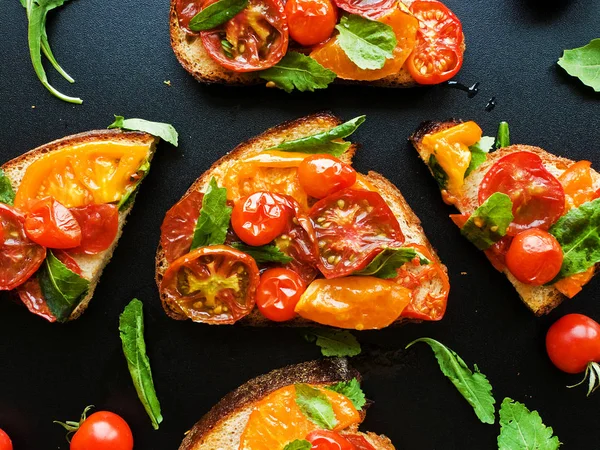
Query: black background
[(119, 53)]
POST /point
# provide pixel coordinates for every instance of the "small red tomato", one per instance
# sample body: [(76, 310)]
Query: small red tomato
[(103, 430), (573, 342), (534, 257), (328, 440), (99, 227), (322, 175), (310, 21), (51, 224), (5, 442), (278, 293)]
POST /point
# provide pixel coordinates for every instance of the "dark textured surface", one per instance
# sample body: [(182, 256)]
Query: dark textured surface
[(118, 51)]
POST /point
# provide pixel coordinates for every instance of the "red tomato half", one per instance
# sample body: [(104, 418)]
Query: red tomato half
[(177, 230), (5, 442), (359, 442), (310, 21), (103, 430), (534, 257), (573, 342), (99, 226), (328, 440), (51, 224), (278, 293), (538, 197), (322, 175), (186, 10), (371, 9)]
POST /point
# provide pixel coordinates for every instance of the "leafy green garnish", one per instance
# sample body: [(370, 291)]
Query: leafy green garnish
[(63, 289), (298, 444), (474, 387), (352, 390), (7, 193), (366, 42), (479, 153), (578, 233), (488, 224), (334, 342), (502, 136), (131, 330), (217, 14), (162, 130), (264, 253), (522, 429), (584, 63), (128, 196), (386, 264), (323, 142), (213, 222), (438, 173), (298, 71), (315, 405)]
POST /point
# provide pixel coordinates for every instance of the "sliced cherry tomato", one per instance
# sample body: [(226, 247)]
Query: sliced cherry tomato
[(328, 440), (5, 442), (52, 225), (186, 10), (322, 175), (19, 256), (102, 430), (573, 342), (255, 39), (351, 227), (497, 253), (537, 196), (310, 21), (534, 257), (278, 293), (359, 442), (371, 9), (177, 230), (438, 55), (99, 227), (578, 184), (215, 284)]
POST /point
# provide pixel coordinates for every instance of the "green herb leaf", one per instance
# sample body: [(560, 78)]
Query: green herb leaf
[(315, 405), (298, 444), (162, 130), (584, 63), (479, 153), (438, 173), (488, 224), (63, 289), (366, 42), (298, 71), (7, 193), (323, 142), (352, 390), (502, 136), (213, 222), (217, 14), (334, 342), (128, 196), (578, 233), (386, 264), (131, 330), (474, 387), (522, 429), (264, 253)]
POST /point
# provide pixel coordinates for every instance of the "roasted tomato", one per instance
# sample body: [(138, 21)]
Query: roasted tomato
[(351, 227), (359, 442), (578, 184), (371, 9), (177, 230), (360, 303), (497, 253), (310, 21), (186, 10), (438, 54), (99, 227), (215, 284), (255, 39), (538, 197), (51, 224), (278, 293), (322, 175), (328, 440), (534, 257)]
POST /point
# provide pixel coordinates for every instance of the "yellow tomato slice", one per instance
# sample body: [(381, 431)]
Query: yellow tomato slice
[(94, 172), (578, 184)]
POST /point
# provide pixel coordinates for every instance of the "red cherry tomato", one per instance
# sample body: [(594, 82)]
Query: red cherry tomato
[(186, 10), (51, 224), (103, 430), (573, 342), (278, 292), (359, 442), (99, 226), (538, 197), (177, 230), (322, 175), (310, 21), (534, 257), (5, 442), (328, 440), (371, 9), (438, 54)]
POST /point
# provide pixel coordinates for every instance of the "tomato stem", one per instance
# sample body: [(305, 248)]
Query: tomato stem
[(72, 426), (592, 375)]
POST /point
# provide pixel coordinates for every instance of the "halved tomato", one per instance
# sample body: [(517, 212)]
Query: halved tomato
[(52, 225), (99, 227), (371, 9), (177, 229), (215, 284), (359, 442), (186, 10)]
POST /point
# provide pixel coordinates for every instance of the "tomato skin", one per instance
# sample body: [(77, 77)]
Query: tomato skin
[(51, 224), (328, 440), (278, 293), (369, 9), (103, 430), (322, 175), (359, 442), (99, 227), (5, 442), (534, 257), (572, 342), (310, 21), (177, 229)]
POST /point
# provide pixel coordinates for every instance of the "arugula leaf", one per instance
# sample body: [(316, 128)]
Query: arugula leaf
[(488, 224), (298, 444), (63, 289), (334, 342), (131, 330), (298, 71), (440, 176), (217, 14), (584, 63), (352, 390), (315, 405), (162, 130), (264, 253), (578, 233), (474, 387), (128, 196), (386, 264), (522, 429), (7, 193), (323, 142), (213, 222), (502, 136), (479, 153), (366, 42)]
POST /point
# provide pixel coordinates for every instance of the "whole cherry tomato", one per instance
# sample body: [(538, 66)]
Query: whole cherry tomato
[(103, 430), (534, 257), (5, 442), (328, 440), (573, 342), (278, 293), (322, 175), (51, 224), (310, 21)]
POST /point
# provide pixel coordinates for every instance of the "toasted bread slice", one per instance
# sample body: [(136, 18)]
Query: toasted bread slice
[(539, 299), (91, 265), (222, 427), (306, 126)]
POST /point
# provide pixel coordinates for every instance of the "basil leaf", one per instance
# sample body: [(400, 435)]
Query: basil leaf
[(62, 288), (217, 14), (213, 222), (584, 63), (264, 253), (474, 387), (131, 330), (298, 444), (479, 153), (323, 142), (502, 136), (334, 342), (315, 405), (298, 71), (386, 264), (162, 130), (522, 429), (128, 196), (440, 176), (352, 390), (578, 233), (7, 193), (488, 224), (366, 42)]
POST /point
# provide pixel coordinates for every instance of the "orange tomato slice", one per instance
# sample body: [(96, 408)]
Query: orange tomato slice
[(572, 285), (578, 184)]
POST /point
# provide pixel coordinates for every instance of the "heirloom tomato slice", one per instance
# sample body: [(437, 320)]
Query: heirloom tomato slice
[(99, 227), (177, 229)]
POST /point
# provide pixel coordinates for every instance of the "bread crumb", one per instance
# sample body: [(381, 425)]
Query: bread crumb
[(271, 84), (463, 273), (32, 106), (167, 82)]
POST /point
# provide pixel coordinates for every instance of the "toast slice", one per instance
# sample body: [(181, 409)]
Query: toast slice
[(306, 126), (91, 265), (222, 426), (539, 299)]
